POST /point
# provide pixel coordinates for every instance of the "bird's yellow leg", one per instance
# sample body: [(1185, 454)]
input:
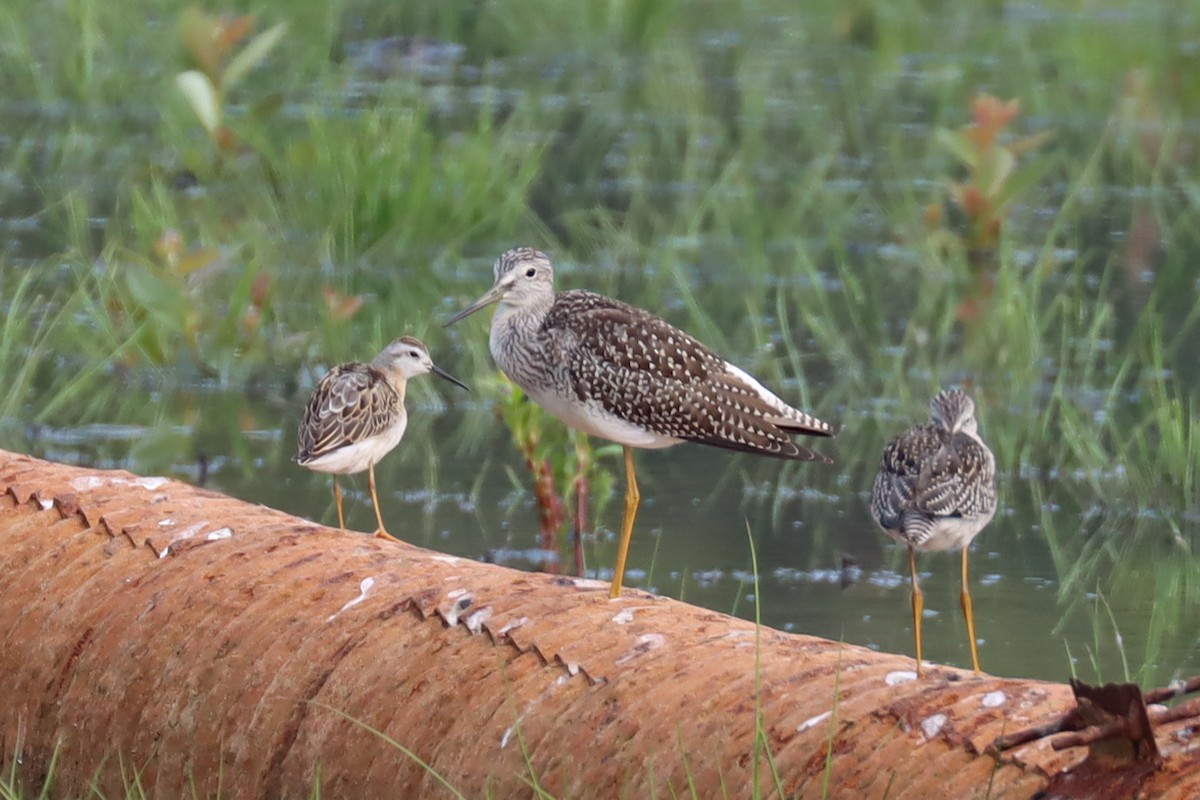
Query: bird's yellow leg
[(337, 501), (918, 603), (969, 612), (632, 499), (380, 532)]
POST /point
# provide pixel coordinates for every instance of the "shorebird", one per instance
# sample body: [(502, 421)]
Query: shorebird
[(936, 489), (615, 371), (356, 416)]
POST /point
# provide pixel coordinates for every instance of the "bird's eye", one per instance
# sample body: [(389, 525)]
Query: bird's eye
[(529, 273), (414, 354)]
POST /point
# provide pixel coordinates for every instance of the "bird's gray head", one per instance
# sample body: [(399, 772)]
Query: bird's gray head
[(954, 411), (407, 358), (523, 265), (523, 278)]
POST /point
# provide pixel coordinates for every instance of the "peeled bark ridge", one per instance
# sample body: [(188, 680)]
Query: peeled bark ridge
[(210, 645)]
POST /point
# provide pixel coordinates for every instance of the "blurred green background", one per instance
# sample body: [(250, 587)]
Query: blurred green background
[(203, 209)]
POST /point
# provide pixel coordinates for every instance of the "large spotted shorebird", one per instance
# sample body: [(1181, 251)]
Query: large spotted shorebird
[(615, 371)]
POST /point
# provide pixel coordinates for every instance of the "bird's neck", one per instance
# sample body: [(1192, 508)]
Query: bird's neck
[(528, 315), (516, 342), (398, 381)]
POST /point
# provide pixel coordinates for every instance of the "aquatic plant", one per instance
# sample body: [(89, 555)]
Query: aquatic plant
[(211, 43), (571, 487)]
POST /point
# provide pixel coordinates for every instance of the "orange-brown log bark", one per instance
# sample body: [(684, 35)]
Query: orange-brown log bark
[(203, 640)]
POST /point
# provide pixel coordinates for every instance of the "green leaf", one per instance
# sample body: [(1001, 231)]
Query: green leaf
[(200, 34), (158, 298), (196, 260), (999, 168), (1022, 180), (958, 144), (251, 55), (202, 97)]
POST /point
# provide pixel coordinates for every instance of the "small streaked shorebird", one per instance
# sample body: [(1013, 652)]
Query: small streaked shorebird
[(615, 371), (356, 416), (936, 489)]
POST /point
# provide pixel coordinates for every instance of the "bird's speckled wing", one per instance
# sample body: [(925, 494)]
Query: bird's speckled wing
[(648, 372), (929, 473), (899, 473), (959, 480), (353, 402)]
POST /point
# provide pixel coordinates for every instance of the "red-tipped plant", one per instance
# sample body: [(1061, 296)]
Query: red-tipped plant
[(995, 177), (211, 44), (994, 174)]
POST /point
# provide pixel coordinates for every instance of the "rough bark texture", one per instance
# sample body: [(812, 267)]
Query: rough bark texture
[(145, 624)]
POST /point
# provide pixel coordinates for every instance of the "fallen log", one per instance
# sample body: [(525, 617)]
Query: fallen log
[(210, 644)]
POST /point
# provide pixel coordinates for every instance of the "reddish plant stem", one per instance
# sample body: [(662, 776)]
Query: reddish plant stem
[(581, 514), (550, 511)]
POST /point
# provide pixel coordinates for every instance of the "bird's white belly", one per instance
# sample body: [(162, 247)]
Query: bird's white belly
[(359, 456), (948, 533), (593, 420)]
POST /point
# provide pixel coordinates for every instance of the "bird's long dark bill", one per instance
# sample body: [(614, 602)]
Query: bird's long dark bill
[(493, 294), (441, 373)]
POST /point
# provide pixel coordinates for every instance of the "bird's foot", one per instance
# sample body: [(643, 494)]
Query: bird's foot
[(380, 533)]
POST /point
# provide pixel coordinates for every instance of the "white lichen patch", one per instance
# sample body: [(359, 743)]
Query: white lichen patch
[(475, 619), (592, 583), (88, 482), (646, 643), (445, 559), (623, 617), (185, 533), (166, 523), (993, 699), (899, 676), (462, 601), (511, 625), (364, 587), (46, 505), (812, 721), (932, 726), (219, 533)]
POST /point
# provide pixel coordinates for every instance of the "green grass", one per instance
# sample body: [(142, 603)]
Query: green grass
[(672, 162), (16, 786)]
